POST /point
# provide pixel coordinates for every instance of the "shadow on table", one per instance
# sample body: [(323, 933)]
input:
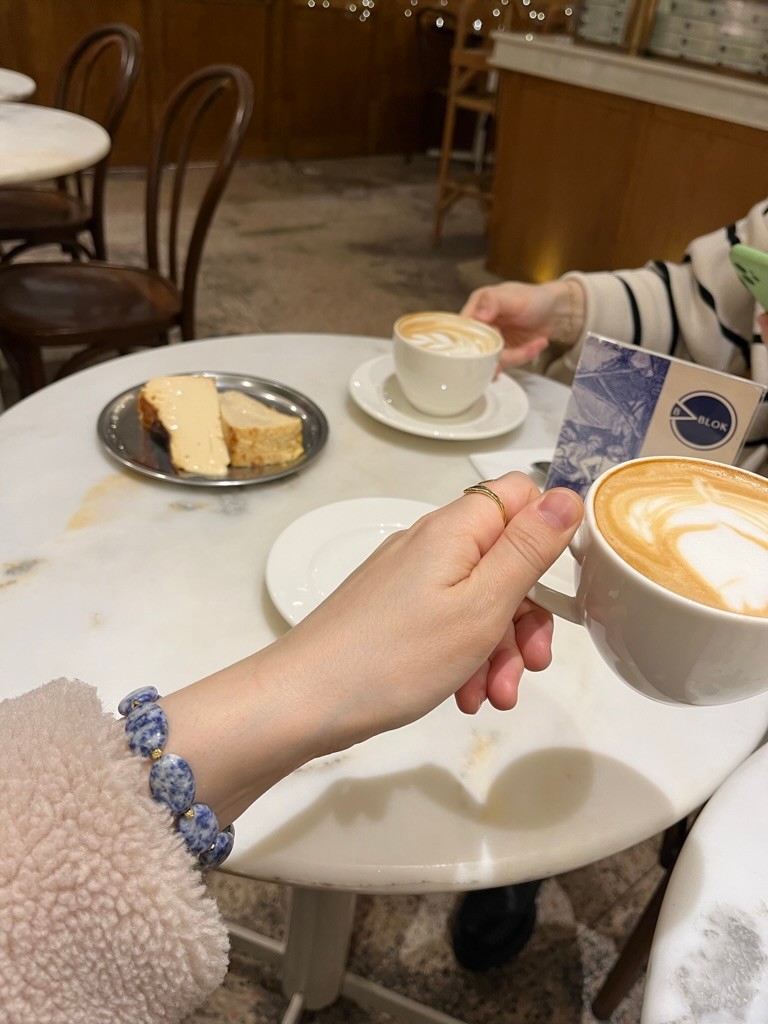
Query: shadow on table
[(536, 793)]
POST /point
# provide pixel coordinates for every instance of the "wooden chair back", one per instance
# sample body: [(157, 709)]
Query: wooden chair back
[(108, 60), (206, 93)]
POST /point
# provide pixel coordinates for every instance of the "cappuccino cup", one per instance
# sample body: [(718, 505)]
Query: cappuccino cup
[(671, 573), (444, 362)]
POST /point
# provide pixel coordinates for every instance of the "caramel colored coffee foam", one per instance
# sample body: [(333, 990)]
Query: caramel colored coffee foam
[(448, 334), (698, 529)]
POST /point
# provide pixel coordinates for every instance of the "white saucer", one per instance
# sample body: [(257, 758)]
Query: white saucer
[(313, 555), (375, 389)]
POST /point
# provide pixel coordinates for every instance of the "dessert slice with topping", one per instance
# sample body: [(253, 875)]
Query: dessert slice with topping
[(184, 411)]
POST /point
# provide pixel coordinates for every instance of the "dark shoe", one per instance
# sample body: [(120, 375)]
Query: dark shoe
[(491, 926)]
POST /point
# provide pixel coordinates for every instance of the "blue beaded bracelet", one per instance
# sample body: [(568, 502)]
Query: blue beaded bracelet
[(171, 781)]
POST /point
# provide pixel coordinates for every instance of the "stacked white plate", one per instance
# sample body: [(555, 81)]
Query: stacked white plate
[(734, 35), (603, 21)]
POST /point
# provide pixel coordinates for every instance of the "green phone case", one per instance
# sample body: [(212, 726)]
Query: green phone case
[(751, 266)]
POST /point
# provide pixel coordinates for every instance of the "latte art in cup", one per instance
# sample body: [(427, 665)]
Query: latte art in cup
[(444, 362), (696, 528), (448, 334)]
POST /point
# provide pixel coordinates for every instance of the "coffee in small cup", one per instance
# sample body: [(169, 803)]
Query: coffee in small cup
[(443, 361), (671, 572)]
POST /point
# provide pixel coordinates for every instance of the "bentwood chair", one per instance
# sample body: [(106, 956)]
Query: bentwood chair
[(103, 308), (97, 80)]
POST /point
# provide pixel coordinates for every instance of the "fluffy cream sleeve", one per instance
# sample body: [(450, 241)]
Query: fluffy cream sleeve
[(103, 916)]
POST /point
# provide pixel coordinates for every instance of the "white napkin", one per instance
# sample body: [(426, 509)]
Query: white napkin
[(493, 464)]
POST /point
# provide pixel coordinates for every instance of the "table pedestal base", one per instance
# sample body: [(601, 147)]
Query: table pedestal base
[(314, 957)]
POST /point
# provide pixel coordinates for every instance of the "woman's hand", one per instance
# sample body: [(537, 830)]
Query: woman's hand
[(529, 315), (438, 609)]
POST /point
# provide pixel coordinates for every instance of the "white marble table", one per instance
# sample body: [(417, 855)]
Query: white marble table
[(119, 580), (709, 960), (37, 143), (15, 87)]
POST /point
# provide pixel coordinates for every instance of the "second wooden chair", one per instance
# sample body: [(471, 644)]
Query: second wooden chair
[(106, 308), (97, 80)]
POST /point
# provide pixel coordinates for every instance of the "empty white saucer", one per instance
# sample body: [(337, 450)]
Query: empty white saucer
[(375, 389), (316, 552)]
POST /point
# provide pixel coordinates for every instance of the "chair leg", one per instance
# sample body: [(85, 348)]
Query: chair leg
[(634, 956), (449, 128), (99, 239), (26, 364)]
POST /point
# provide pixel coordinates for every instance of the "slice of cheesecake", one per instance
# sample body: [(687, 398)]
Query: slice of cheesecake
[(185, 412), (257, 435)]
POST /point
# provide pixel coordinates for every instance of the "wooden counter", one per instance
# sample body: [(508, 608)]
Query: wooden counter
[(326, 84), (605, 160)]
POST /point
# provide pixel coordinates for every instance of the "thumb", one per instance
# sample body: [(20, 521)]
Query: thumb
[(531, 542), (482, 305)]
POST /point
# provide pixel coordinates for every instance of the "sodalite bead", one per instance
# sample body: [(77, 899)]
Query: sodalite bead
[(172, 783), (143, 695), (147, 729), (220, 850), (201, 829)]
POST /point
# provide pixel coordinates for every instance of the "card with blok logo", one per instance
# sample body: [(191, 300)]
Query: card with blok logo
[(627, 403)]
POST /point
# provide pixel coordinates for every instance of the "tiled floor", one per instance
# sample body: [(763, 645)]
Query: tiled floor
[(344, 246)]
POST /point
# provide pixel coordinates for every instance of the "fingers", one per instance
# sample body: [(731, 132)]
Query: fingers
[(523, 352), (762, 322), (482, 304), (540, 527), (527, 644), (471, 696), (536, 536), (533, 635), (516, 490)]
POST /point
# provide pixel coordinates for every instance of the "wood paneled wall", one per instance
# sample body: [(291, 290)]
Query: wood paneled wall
[(586, 180), (326, 84)]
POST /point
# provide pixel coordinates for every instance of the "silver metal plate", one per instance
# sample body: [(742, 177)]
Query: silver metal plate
[(120, 431)]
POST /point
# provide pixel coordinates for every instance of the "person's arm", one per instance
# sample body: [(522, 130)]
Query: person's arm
[(103, 914), (696, 309)]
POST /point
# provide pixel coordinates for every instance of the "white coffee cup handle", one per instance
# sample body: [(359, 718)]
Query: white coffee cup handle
[(563, 605)]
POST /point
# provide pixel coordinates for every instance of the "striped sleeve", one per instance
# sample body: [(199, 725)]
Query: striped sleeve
[(696, 309)]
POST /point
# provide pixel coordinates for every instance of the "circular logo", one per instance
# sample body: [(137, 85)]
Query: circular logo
[(703, 420)]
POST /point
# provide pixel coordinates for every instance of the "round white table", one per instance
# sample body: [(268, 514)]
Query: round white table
[(119, 579), (15, 87), (709, 959), (37, 143)]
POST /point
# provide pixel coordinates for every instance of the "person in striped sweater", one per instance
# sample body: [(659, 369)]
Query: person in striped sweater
[(696, 309)]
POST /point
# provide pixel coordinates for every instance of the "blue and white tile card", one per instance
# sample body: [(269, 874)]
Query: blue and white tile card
[(628, 403)]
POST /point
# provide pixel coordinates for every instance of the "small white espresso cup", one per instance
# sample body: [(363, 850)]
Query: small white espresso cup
[(669, 646), (444, 362)]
